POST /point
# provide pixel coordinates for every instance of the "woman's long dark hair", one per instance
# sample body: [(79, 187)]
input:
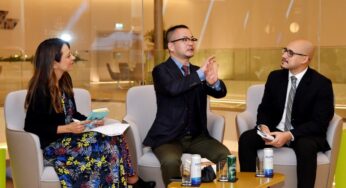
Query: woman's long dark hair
[(44, 79)]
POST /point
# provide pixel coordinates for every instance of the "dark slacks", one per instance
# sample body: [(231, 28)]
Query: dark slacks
[(169, 154), (305, 148)]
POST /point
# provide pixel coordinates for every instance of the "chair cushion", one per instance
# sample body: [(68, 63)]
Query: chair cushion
[(149, 159), (49, 174), (286, 156)]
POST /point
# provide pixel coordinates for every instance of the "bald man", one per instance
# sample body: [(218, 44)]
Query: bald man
[(300, 122)]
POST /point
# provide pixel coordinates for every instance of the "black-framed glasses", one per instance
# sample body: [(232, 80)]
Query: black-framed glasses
[(185, 39), (291, 53)]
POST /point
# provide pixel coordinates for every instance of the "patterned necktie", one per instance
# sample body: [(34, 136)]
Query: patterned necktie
[(186, 70), (290, 98)]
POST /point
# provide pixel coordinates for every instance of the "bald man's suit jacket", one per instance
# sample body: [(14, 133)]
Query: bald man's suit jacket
[(313, 105)]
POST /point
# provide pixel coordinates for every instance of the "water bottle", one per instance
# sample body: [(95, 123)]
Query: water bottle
[(268, 160), (195, 170)]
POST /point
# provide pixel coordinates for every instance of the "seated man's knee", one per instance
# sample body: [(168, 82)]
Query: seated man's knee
[(221, 154), (171, 161), (245, 137), (306, 147)]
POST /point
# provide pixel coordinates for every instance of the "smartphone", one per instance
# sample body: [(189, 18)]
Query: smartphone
[(265, 135)]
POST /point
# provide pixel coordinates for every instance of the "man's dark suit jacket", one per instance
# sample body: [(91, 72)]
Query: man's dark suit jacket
[(313, 105), (172, 89)]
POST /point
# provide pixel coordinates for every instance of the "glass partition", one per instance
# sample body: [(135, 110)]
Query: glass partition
[(106, 36), (247, 37), (113, 40)]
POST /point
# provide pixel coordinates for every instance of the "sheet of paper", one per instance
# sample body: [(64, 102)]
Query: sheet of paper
[(110, 129)]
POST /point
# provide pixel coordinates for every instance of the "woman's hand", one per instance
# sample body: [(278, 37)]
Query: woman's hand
[(97, 123), (76, 127), (73, 127)]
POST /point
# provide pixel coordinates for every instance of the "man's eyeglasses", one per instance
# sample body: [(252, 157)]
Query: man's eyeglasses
[(185, 39), (291, 53)]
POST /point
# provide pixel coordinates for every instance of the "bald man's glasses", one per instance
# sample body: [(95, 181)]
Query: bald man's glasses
[(186, 39), (291, 53)]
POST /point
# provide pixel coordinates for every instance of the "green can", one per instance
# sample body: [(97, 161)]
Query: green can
[(231, 163)]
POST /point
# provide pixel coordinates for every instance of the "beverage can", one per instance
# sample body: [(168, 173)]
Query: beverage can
[(268, 162), (231, 163), (195, 170)]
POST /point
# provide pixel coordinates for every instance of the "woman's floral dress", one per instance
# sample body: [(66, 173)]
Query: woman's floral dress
[(89, 160)]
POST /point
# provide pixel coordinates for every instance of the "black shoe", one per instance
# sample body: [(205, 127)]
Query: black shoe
[(144, 184)]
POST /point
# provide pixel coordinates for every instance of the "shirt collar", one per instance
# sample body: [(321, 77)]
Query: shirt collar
[(299, 76), (180, 65)]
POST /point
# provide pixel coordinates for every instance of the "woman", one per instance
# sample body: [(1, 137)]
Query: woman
[(80, 159)]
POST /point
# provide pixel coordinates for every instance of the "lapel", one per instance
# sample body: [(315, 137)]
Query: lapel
[(303, 86), (193, 68), (174, 69), (283, 88)]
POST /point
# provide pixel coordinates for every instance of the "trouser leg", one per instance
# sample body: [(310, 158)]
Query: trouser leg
[(306, 152), (249, 143), (169, 156)]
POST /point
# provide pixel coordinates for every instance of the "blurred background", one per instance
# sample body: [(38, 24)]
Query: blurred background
[(118, 42)]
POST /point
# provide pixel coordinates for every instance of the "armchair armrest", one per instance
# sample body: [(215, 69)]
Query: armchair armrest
[(216, 126), (134, 137), (26, 158), (334, 139), (334, 132)]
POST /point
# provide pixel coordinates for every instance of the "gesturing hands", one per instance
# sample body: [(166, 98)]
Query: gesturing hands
[(210, 69)]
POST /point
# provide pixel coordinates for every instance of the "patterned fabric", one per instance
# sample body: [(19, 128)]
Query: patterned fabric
[(89, 160), (68, 108)]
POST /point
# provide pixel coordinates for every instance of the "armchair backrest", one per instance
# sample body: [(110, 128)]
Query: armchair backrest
[(83, 100), (14, 110), (254, 98), (141, 106), (247, 119)]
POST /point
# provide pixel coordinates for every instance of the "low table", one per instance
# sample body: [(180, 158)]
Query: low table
[(245, 180)]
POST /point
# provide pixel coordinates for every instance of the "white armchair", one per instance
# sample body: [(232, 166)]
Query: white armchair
[(25, 153), (284, 158), (140, 114)]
